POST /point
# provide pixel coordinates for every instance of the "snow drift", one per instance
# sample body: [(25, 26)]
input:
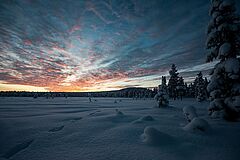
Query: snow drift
[(197, 124), (189, 112), (153, 136)]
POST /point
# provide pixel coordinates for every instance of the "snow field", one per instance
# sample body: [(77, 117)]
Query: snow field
[(74, 129)]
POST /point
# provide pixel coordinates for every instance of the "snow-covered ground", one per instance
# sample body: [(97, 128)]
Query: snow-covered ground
[(75, 129)]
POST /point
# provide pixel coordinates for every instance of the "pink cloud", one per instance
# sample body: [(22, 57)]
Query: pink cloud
[(27, 42), (75, 28)]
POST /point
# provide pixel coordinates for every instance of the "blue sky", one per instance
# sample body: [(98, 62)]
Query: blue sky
[(74, 45)]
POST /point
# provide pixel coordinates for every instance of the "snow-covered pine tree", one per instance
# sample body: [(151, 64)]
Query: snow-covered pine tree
[(164, 80), (186, 89), (180, 87), (200, 88), (223, 43), (164, 83), (206, 82), (173, 82), (191, 90), (162, 97)]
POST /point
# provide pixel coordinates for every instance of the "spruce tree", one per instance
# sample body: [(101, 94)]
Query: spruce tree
[(223, 43), (173, 82), (181, 87), (201, 93), (206, 82), (191, 90), (162, 97), (164, 83)]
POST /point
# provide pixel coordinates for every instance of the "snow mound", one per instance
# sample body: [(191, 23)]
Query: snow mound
[(119, 113), (153, 136), (197, 124), (189, 112)]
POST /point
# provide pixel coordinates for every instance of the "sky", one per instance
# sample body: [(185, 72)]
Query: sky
[(97, 45)]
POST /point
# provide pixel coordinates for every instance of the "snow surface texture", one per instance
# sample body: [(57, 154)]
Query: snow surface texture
[(144, 119), (74, 128)]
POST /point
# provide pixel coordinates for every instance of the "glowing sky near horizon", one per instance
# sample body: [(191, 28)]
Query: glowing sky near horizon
[(94, 45)]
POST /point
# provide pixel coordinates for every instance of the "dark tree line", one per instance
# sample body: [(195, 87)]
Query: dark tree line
[(136, 93)]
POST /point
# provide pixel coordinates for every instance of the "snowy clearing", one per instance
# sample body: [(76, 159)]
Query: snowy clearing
[(74, 128)]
